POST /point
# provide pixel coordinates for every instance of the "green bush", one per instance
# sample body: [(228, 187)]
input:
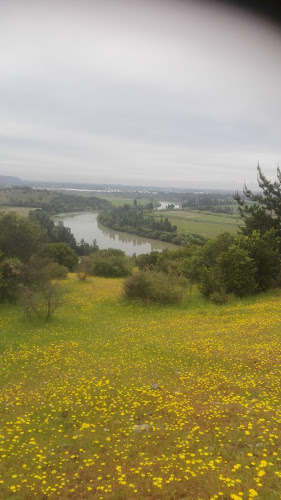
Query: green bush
[(60, 253), (111, 263), (10, 277), (221, 298), (153, 286)]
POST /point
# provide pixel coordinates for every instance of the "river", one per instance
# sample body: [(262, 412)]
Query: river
[(85, 225)]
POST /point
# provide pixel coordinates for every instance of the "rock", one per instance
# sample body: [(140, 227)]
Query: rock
[(155, 386), (141, 428)]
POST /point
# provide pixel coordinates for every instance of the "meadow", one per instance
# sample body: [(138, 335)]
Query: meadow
[(112, 400), (206, 224), (22, 211)]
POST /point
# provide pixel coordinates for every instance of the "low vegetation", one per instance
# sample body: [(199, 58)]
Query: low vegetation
[(167, 395), (202, 383), (110, 263), (155, 286)]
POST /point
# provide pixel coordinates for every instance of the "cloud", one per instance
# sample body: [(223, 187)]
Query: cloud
[(137, 91)]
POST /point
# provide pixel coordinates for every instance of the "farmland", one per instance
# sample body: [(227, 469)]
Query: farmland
[(202, 223), (113, 400)]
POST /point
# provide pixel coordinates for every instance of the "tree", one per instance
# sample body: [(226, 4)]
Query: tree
[(19, 236), (55, 233), (60, 253), (111, 263), (40, 291), (239, 265), (262, 211), (62, 234), (264, 250), (84, 248), (190, 269), (237, 271), (10, 279)]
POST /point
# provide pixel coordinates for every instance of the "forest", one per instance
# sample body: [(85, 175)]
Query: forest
[(49, 200)]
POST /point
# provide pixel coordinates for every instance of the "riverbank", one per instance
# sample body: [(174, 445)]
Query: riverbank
[(84, 225)]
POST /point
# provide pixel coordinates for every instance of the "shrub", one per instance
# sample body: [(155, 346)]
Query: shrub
[(10, 277), (60, 253), (111, 263), (153, 286), (40, 292), (221, 298)]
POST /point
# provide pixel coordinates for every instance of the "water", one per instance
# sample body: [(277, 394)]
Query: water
[(85, 225)]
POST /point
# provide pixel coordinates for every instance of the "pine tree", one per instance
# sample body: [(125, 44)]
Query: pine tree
[(262, 211)]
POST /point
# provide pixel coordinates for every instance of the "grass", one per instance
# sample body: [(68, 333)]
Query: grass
[(207, 225), (72, 392), (22, 211)]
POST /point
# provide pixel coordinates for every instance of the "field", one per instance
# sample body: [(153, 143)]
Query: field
[(207, 225), (123, 401), (22, 211), (117, 202)]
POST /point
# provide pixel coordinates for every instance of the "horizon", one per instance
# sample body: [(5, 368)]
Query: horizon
[(107, 185), (134, 93)]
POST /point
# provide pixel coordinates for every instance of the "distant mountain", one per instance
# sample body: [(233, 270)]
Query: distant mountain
[(9, 180)]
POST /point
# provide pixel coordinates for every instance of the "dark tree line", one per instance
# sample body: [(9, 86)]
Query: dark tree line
[(50, 201), (132, 219)]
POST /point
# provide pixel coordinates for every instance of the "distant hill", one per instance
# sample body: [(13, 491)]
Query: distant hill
[(9, 180), (51, 201)]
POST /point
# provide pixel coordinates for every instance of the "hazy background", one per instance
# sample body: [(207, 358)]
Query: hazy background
[(166, 93)]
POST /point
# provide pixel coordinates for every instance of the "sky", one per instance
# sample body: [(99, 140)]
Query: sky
[(138, 92)]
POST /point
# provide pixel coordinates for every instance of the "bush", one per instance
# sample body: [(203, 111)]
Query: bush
[(10, 277), (60, 253), (237, 271), (221, 298), (111, 263), (153, 286), (40, 292)]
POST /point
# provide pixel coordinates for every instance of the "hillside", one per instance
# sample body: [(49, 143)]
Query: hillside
[(113, 400), (8, 180), (49, 200)]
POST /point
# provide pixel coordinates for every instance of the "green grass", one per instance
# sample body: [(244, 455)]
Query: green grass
[(72, 392), (22, 211), (207, 225)]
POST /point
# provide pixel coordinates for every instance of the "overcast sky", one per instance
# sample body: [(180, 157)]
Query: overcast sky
[(138, 92)]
